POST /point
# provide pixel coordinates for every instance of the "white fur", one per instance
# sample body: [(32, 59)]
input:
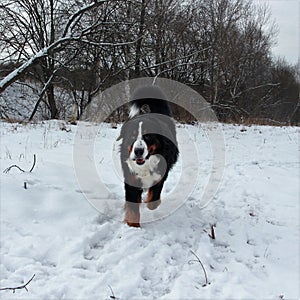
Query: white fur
[(139, 143), (146, 172), (134, 111), (140, 133)]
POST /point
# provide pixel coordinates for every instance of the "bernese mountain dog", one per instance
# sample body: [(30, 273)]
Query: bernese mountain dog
[(148, 150)]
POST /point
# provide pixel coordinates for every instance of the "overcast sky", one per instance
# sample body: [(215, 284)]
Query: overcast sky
[(287, 16)]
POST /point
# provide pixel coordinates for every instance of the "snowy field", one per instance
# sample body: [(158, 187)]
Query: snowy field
[(49, 229)]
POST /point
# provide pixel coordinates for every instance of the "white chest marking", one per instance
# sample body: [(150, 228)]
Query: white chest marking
[(147, 172)]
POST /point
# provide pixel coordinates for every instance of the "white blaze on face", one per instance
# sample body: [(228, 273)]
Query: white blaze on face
[(139, 144), (147, 172), (140, 133)]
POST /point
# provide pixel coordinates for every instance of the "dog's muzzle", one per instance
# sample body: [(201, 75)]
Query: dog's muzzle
[(139, 152), (139, 155)]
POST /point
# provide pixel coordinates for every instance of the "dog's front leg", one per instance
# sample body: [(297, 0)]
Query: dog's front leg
[(153, 197), (133, 197)]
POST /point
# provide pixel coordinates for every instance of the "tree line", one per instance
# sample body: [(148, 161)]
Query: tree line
[(220, 48)]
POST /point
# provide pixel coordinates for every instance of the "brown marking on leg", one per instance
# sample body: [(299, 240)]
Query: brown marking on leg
[(132, 213), (151, 203), (149, 196)]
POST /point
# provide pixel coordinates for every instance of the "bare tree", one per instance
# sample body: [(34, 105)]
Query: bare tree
[(221, 48), (46, 38)]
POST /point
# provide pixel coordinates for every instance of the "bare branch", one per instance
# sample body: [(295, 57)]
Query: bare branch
[(74, 19), (24, 286), (15, 166), (55, 46), (212, 232), (42, 95), (255, 88), (33, 165), (112, 293), (199, 261), (176, 59)]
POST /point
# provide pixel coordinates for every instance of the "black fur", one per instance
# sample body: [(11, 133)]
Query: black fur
[(154, 112)]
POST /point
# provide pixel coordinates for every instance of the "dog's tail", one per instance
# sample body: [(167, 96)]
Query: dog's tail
[(149, 99)]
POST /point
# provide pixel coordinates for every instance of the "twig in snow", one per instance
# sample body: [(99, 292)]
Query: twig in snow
[(199, 261), (34, 161), (212, 232), (24, 286), (15, 166), (266, 252), (112, 292)]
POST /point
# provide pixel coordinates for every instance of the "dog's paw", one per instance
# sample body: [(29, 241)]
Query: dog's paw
[(137, 225), (154, 204), (132, 214)]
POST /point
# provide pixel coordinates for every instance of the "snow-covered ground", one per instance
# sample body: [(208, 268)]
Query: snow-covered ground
[(76, 252)]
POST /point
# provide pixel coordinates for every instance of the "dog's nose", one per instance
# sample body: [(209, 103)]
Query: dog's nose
[(139, 152)]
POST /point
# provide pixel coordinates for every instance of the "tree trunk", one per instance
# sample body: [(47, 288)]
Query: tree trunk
[(139, 42), (51, 102)]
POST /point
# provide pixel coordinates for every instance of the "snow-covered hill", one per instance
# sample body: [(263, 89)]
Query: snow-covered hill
[(76, 252), (18, 100)]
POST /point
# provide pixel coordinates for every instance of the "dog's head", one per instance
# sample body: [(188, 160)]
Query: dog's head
[(140, 140), (149, 147), (141, 151)]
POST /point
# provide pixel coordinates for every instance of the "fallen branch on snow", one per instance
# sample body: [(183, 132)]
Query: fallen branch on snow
[(15, 166), (212, 232), (199, 261), (24, 286), (112, 292)]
